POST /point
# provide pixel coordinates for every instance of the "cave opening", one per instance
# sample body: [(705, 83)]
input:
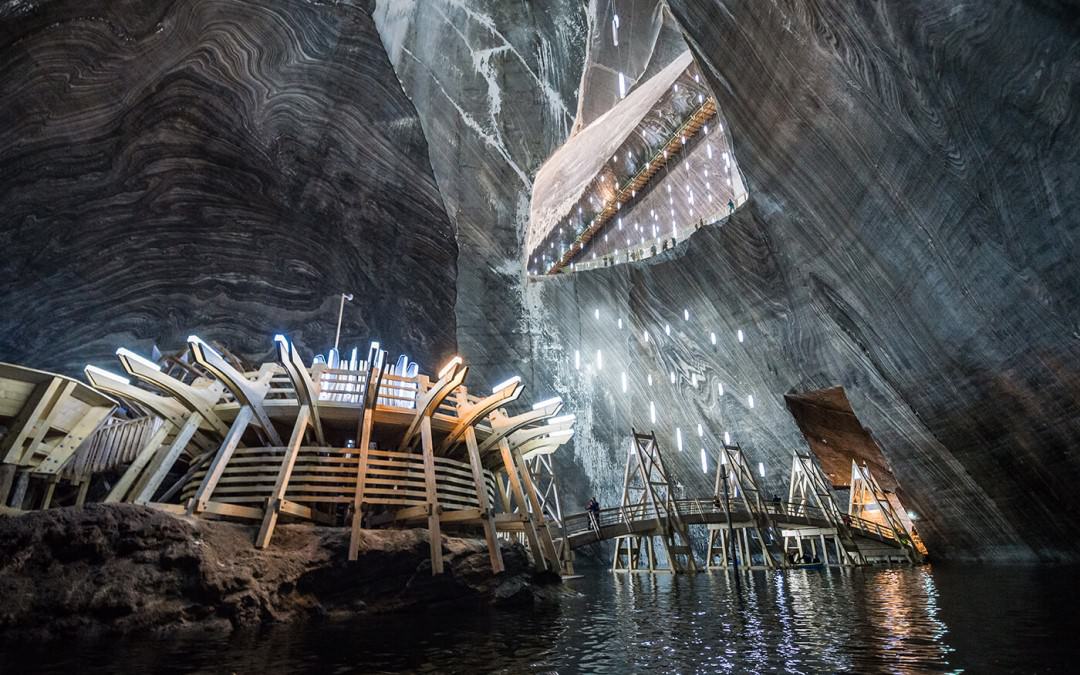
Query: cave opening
[(850, 457)]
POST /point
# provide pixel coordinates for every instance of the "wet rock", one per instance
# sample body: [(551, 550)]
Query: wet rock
[(125, 569)]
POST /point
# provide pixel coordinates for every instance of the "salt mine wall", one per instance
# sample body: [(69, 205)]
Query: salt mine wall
[(911, 236), (227, 168), (218, 167), (495, 85)]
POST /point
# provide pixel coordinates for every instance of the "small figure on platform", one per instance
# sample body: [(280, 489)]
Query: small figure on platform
[(778, 505), (731, 206), (592, 507)]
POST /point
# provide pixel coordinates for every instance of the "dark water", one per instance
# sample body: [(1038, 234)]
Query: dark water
[(939, 619)]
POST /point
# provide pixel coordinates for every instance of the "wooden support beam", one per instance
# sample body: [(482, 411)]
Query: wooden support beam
[(307, 393), (232, 510), (536, 509), (281, 484), (7, 478), (369, 398), (21, 485), (434, 529), (195, 399), (486, 510), (84, 488), (430, 401), (469, 416), (249, 394), (162, 463), (50, 490), (539, 559), (221, 459)]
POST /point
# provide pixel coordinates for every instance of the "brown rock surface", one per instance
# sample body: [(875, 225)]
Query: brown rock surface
[(122, 569)]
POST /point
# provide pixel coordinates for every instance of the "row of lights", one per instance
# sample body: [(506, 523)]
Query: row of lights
[(602, 178)]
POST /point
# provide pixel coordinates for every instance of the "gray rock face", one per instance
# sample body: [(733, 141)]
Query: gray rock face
[(495, 84), (636, 38), (219, 167), (911, 237)]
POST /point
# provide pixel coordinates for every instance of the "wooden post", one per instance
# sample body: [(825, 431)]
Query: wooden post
[(157, 472), (49, 491), (281, 484), (539, 559), (546, 544), (84, 487), (486, 510), (7, 477), (221, 460), (368, 398), (434, 509), (21, 484), (361, 478)]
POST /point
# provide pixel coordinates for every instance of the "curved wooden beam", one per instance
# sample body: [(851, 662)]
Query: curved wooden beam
[(432, 399), (307, 394), (195, 399), (247, 393), (502, 425), (470, 416)]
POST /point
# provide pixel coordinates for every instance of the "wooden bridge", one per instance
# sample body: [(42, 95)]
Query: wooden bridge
[(744, 529), (877, 543), (373, 444)]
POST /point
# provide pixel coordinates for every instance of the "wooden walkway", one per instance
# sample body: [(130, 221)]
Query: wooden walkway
[(628, 190), (579, 529)]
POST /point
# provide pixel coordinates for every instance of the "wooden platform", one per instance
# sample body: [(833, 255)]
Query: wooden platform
[(355, 443)]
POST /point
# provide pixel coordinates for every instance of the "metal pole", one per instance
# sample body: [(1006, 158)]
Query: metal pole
[(341, 312), (731, 528)]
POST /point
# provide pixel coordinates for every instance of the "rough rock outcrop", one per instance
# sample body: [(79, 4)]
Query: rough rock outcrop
[(123, 569), (220, 167)]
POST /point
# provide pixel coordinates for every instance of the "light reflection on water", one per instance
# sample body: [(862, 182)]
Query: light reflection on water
[(875, 620)]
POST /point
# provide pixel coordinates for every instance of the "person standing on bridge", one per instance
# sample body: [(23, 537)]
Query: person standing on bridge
[(731, 205), (593, 509)]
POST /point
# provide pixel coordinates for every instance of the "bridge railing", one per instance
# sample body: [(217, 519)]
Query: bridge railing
[(703, 508), (872, 527), (688, 508)]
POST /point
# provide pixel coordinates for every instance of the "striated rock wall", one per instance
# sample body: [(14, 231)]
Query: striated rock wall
[(911, 236), (126, 569), (221, 167), (495, 85)]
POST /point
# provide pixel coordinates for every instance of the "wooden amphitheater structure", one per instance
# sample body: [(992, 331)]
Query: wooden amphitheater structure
[(356, 443)]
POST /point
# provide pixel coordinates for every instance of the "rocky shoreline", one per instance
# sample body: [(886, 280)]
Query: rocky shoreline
[(121, 569)]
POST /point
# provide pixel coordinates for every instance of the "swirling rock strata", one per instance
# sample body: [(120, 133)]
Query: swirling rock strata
[(220, 167)]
